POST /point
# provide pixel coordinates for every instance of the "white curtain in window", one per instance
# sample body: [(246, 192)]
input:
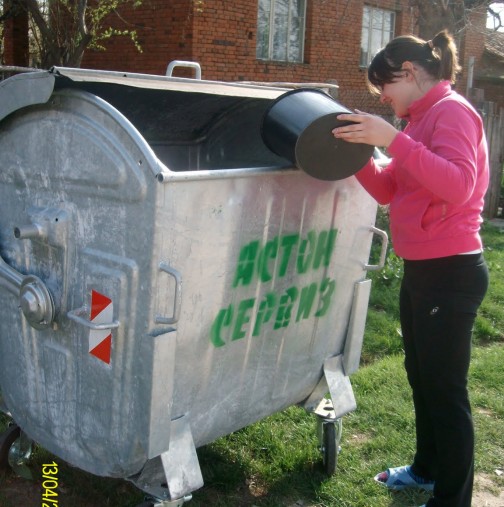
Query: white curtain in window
[(377, 30), (280, 30)]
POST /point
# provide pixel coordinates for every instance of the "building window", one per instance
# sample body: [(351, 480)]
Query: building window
[(281, 30), (377, 30)]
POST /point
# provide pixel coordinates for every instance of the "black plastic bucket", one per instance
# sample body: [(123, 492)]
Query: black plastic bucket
[(297, 126)]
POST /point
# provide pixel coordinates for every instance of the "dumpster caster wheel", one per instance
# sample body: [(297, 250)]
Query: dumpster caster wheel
[(329, 450), (331, 437), (329, 430), (7, 438)]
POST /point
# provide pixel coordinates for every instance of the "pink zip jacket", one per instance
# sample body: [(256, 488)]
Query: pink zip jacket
[(437, 180)]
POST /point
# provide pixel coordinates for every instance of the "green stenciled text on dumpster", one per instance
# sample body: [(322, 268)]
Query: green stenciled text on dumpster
[(272, 260)]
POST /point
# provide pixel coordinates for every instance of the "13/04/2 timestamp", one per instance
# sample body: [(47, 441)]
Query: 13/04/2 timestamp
[(49, 484)]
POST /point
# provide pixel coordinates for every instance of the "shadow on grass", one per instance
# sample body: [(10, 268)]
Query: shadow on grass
[(407, 498), (229, 482)]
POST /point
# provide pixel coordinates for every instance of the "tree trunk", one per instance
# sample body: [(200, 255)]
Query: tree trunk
[(437, 15)]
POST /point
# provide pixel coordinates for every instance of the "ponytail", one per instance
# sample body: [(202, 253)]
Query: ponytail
[(445, 51)]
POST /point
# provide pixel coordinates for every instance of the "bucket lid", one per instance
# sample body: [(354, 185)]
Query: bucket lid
[(319, 154)]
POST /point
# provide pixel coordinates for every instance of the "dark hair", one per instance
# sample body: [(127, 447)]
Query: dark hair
[(438, 57)]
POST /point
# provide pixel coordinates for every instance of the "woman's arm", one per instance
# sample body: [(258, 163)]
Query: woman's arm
[(373, 130), (378, 181), (448, 168)]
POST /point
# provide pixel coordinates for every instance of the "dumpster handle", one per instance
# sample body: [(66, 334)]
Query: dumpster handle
[(383, 253), (182, 63), (159, 319), (75, 315)]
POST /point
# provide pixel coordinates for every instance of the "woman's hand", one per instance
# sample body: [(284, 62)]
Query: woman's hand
[(367, 129)]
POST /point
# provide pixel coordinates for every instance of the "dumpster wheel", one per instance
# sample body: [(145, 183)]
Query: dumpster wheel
[(330, 446), (7, 438), (329, 431)]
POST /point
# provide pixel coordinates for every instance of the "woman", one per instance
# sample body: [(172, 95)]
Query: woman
[(435, 186)]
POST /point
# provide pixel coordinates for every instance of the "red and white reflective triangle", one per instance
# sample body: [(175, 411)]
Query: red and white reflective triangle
[(100, 340)]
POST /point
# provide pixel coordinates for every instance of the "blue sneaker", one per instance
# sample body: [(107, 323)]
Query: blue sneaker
[(402, 478)]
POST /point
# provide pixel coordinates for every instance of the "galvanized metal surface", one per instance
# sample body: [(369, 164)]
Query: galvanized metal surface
[(22, 90), (356, 325), (266, 262)]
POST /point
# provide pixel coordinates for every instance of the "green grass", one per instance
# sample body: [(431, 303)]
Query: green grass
[(276, 462)]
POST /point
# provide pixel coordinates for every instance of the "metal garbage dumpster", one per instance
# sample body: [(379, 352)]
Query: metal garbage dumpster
[(165, 279)]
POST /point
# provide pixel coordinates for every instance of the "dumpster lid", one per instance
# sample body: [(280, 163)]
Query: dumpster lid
[(169, 83), (24, 90), (36, 86)]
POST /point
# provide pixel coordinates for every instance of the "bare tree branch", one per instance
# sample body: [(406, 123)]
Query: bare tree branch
[(496, 18), (81, 17), (33, 9), (61, 30)]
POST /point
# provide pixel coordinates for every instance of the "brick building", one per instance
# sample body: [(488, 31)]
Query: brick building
[(488, 81), (225, 39), (272, 41), (15, 47)]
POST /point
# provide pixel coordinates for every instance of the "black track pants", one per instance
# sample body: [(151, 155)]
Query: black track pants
[(439, 299)]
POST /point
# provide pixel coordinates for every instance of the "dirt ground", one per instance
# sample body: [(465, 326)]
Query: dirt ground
[(485, 493), (16, 492)]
